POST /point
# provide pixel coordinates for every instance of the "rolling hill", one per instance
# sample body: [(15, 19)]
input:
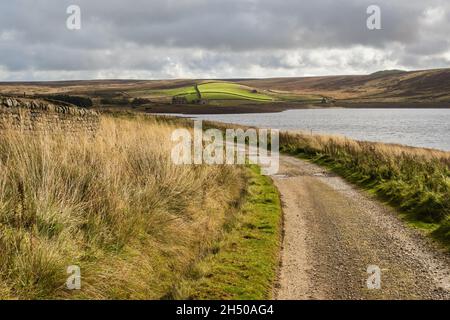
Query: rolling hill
[(388, 88)]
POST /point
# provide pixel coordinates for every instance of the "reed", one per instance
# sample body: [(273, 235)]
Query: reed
[(113, 204)]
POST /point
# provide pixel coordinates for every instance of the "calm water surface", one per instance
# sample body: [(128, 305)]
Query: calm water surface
[(415, 127)]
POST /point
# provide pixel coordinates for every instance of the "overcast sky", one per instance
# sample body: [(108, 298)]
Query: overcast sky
[(155, 39)]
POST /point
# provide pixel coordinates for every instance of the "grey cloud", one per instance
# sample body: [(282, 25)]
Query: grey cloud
[(170, 38)]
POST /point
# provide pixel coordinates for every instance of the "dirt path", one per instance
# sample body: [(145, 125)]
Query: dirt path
[(333, 232)]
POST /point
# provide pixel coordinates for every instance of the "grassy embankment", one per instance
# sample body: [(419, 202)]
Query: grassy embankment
[(244, 262), (415, 180), (116, 206)]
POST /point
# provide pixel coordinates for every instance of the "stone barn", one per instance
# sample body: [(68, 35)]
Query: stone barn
[(179, 100)]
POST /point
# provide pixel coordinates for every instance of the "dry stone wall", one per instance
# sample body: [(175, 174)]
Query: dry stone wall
[(40, 115)]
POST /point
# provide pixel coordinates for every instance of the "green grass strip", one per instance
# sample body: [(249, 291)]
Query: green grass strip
[(244, 263)]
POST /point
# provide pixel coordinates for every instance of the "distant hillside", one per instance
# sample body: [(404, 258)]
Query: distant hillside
[(383, 73), (388, 88), (391, 85)]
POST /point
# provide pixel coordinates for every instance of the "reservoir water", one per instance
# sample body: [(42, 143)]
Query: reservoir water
[(428, 128)]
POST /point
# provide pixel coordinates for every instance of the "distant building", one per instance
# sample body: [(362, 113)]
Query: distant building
[(328, 100), (184, 100), (179, 100)]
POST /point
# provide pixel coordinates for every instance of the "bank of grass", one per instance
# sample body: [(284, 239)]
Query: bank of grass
[(114, 205), (415, 180), (243, 264)]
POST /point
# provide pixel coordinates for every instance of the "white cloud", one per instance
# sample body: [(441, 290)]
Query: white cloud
[(433, 15)]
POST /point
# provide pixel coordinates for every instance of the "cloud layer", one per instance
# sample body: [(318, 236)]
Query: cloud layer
[(218, 39)]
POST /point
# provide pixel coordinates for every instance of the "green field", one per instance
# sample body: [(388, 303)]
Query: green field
[(231, 91), (221, 91)]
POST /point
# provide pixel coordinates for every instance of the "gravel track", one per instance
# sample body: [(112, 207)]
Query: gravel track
[(334, 231)]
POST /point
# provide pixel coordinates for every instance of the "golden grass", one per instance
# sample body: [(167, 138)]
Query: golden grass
[(322, 141), (113, 204)]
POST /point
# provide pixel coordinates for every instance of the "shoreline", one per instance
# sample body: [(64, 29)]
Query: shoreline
[(280, 107)]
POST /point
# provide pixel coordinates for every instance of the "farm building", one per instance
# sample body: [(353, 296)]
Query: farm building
[(179, 100)]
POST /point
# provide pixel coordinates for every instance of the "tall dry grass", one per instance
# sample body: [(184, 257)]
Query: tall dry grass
[(113, 204), (417, 180)]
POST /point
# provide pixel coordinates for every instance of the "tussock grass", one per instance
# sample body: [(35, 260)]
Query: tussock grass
[(113, 204), (413, 179)]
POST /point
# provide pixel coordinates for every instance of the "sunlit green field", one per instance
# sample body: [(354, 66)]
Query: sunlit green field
[(231, 91), (226, 91), (216, 91)]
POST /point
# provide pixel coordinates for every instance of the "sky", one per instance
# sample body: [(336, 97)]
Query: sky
[(166, 39)]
